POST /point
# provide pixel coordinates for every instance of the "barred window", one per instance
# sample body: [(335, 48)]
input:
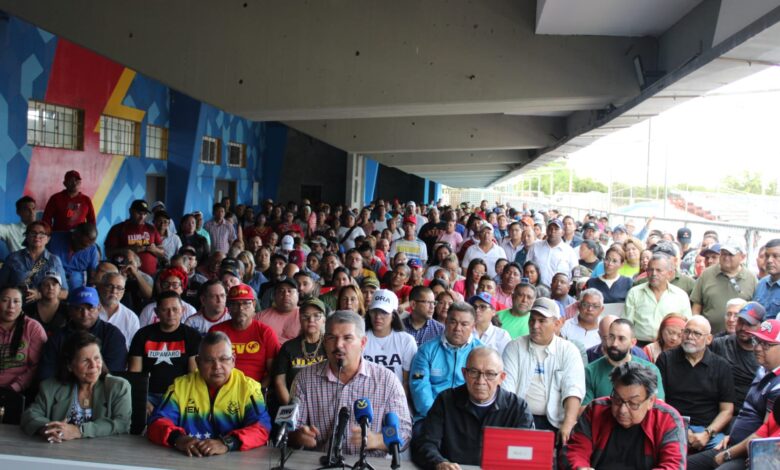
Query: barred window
[(236, 154), (156, 142), (50, 125), (119, 136), (210, 150)]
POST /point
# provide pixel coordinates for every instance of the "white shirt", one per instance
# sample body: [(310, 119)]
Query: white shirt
[(203, 324), (511, 251), (124, 319), (572, 330), (13, 235), (494, 337), (490, 257), (551, 260), (148, 316), (349, 243), (395, 351)]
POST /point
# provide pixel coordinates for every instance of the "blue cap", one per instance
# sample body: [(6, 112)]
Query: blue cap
[(712, 249), (483, 296), (556, 222), (84, 295), (620, 228), (414, 263)]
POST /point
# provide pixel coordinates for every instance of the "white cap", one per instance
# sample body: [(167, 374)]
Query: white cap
[(384, 299), (158, 204), (411, 203), (287, 242)]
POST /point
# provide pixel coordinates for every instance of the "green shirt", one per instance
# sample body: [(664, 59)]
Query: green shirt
[(646, 312), (597, 383), (714, 288), (516, 326)]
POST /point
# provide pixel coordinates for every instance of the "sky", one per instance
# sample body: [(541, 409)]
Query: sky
[(731, 130)]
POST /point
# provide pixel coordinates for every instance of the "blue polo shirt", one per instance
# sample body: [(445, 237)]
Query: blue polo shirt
[(768, 294), (760, 397)]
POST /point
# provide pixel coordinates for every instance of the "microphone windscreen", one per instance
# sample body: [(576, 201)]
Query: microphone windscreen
[(363, 409)]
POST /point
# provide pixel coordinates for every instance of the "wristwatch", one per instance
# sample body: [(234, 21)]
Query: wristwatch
[(710, 431), (230, 442), (727, 455)]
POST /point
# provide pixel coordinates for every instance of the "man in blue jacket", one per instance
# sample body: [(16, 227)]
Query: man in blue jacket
[(437, 365)]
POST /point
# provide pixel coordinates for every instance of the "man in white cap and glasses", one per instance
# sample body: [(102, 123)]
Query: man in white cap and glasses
[(546, 371), (485, 248), (388, 344), (720, 283)]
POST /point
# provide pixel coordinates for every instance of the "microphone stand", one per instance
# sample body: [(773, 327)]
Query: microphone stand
[(283, 455), (362, 463), (334, 459)]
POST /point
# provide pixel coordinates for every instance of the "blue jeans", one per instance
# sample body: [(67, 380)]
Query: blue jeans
[(714, 440)]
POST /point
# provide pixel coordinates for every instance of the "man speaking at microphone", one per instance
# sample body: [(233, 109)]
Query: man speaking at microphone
[(322, 389)]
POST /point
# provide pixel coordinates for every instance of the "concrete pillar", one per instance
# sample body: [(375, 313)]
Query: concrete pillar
[(355, 181)]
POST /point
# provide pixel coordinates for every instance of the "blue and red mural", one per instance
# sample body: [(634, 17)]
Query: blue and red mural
[(36, 65)]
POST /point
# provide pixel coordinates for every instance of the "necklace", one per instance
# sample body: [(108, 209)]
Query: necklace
[(310, 356)]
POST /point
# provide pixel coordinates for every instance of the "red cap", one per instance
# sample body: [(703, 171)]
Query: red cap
[(769, 331), (241, 292), (74, 174), (410, 219)]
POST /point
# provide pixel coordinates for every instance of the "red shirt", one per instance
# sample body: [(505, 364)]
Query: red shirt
[(253, 347), (63, 212), (129, 235), (769, 429)]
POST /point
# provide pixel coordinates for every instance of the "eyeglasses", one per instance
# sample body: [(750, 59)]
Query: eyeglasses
[(113, 287), (734, 284), (315, 317), (618, 402), (37, 234), (481, 307), (764, 344), (587, 306), (170, 285), (475, 374), (693, 333), (212, 361)]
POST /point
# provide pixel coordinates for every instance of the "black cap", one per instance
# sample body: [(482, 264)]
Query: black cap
[(287, 280), (684, 235), (188, 249), (589, 225), (139, 205)]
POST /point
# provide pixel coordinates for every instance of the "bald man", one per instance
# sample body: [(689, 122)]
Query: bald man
[(452, 431), (597, 352), (699, 384)]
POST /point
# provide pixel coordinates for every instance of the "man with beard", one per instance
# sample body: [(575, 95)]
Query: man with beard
[(738, 350), (699, 384), (619, 343), (761, 398)]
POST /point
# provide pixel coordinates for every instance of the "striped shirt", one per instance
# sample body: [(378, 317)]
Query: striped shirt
[(321, 395), (221, 234), (432, 329)]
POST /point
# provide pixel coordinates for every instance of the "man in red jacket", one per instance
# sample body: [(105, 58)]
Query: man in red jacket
[(631, 429)]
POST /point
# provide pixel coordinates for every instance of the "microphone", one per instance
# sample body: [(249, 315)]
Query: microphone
[(287, 420), (364, 414), (391, 437), (340, 433)]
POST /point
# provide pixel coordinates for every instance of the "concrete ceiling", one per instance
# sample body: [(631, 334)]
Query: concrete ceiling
[(465, 93)]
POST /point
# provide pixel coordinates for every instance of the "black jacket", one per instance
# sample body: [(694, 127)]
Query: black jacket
[(452, 430)]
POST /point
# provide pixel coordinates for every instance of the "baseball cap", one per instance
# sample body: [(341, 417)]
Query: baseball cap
[(684, 235), (411, 203), (715, 248), (232, 270), (289, 281), (240, 292), (483, 296), (410, 219), (188, 249), (139, 205), (753, 313), (157, 204), (73, 174), (370, 281), (619, 228), (731, 248), (52, 275), (666, 247), (162, 214), (385, 300), (485, 225), (414, 263), (319, 304), (546, 307), (556, 222), (84, 295), (769, 331), (319, 240), (589, 226), (287, 242)]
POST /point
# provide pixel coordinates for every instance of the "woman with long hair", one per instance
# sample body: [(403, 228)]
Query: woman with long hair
[(21, 342), (350, 298), (388, 343), (611, 284), (468, 287), (252, 277), (633, 248)]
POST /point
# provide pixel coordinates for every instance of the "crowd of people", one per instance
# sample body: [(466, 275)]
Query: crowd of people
[(638, 348)]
